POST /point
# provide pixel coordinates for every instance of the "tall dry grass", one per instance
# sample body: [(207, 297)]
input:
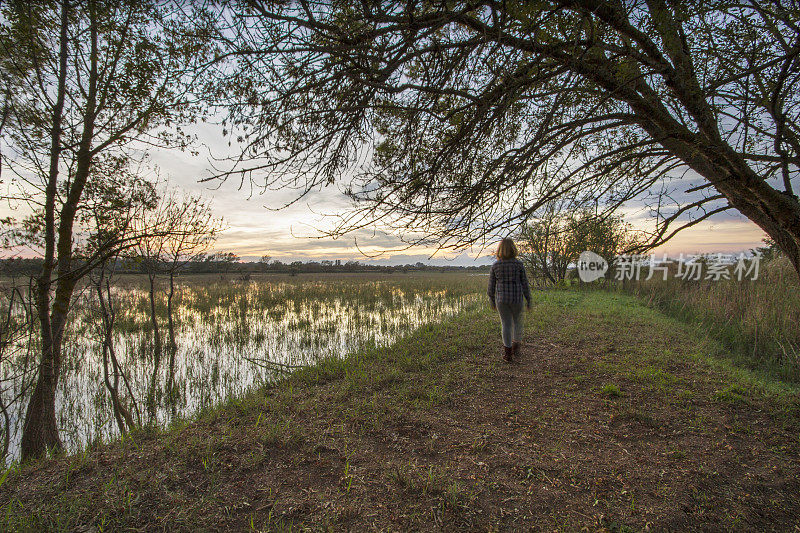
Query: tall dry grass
[(758, 321)]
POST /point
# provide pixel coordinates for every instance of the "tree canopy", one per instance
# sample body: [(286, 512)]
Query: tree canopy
[(460, 120)]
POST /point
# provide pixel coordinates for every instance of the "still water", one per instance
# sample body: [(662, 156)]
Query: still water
[(232, 335)]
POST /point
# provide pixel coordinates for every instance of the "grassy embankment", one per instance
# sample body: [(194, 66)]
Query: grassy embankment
[(617, 417), (757, 322)]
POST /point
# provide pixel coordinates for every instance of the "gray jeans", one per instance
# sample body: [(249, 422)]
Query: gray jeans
[(511, 318)]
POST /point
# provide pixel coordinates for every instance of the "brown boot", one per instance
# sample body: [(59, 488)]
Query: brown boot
[(515, 350), (507, 353)]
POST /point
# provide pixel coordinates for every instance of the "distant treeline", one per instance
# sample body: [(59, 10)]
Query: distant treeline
[(231, 263)]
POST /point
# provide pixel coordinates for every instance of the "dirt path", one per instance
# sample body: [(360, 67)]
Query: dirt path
[(613, 420)]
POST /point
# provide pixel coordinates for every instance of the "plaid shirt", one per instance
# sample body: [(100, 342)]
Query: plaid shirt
[(508, 282)]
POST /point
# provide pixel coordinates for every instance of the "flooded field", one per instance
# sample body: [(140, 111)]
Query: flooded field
[(231, 335)]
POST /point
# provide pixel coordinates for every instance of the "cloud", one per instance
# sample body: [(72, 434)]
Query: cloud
[(255, 228), (724, 236)]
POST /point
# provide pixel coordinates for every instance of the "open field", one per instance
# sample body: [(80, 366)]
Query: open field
[(617, 418)]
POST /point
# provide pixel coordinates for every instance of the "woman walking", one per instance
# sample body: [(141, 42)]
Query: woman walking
[(508, 284)]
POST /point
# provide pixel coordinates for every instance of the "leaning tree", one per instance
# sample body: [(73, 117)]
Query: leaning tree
[(462, 119)]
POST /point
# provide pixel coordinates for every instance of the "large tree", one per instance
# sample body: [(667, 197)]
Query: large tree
[(462, 119), (89, 82)]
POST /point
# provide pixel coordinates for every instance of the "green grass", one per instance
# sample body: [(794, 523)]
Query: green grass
[(361, 441), (612, 391), (757, 322)]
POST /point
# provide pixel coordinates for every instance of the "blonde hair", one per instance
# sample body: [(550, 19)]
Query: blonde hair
[(506, 249)]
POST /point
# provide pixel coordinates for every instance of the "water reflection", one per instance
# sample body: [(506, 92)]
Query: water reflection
[(229, 335)]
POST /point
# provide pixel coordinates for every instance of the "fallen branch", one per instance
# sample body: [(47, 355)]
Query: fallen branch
[(274, 365)]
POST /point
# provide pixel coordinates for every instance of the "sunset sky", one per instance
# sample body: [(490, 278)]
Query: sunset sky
[(253, 229), (253, 226)]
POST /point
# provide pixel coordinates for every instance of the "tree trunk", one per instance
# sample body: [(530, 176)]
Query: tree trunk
[(779, 217), (157, 350), (121, 414), (173, 345), (39, 432), (777, 213)]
